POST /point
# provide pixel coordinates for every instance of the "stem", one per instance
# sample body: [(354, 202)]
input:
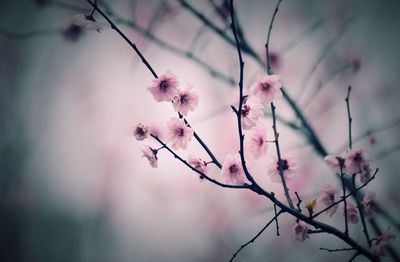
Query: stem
[(133, 45), (241, 98), (276, 221), (268, 36), (256, 236), (346, 231), (349, 116), (278, 152), (197, 171), (361, 211), (337, 249)]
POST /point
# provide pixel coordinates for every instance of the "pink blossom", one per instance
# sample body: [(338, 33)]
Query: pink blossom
[(381, 243), (179, 134), (252, 109), (289, 167), (352, 216), (335, 161), (370, 205), (156, 129), (365, 173), (141, 132), (232, 169), (150, 154), (267, 88), (186, 101), (198, 164), (328, 198), (355, 160), (300, 231), (164, 88), (256, 141)]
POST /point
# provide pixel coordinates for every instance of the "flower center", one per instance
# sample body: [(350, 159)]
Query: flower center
[(358, 158), (233, 169), (184, 99), (245, 110), (265, 86), (140, 131), (179, 131), (260, 141), (163, 85), (284, 164)]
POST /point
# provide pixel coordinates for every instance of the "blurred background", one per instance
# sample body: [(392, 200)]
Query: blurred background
[(74, 186)]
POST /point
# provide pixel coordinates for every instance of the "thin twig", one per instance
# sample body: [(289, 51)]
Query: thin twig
[(256, 236), (241, 99), (298, 201), (244, 186), (337, 249), (354, 257), (276, 221), (361, 212), (269, 35), (349, 116), (273, 108)]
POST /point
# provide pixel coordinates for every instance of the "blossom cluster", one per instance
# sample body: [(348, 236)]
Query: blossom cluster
[(166, 88)]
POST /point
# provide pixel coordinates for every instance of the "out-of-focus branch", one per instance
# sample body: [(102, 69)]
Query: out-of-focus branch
[(322, 56)]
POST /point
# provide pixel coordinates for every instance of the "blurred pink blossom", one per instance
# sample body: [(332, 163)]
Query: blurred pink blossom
[(198, 163), (355, 160), (381, 243), (256, 141), (328, 198), (186, 100), (179, 134), (300, 231), (141, 132), (289, 165), (351, 213), (370, 204), (150, 154), (334, 162), (164, 88), (232, 169), (252, 110), (267, 88)]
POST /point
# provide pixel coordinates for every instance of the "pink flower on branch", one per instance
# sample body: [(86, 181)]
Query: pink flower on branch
[(267, 88), (232, 169), (141, 132), (335, 161), (150, 154), (289, 165), (328, 198), (352, 216), (257, 141), (300, 231), (198, 163), (186, 101), (355, 161), (252, 110), (370, 205), (179, 134), (381, 243), (164, 88)]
